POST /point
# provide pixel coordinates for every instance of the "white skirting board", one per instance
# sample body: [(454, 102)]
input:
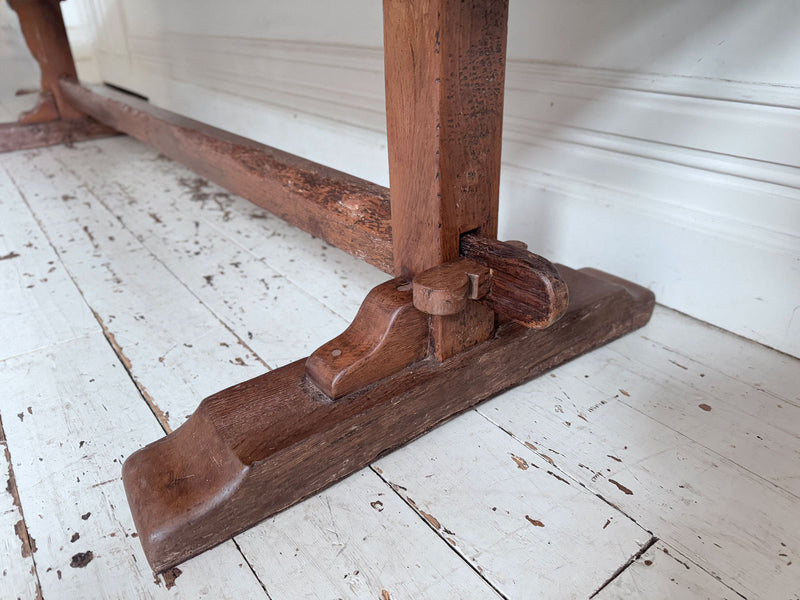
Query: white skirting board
[(668, 156)]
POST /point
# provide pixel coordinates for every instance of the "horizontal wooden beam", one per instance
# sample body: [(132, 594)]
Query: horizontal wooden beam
[(350, 213), (27, 136)]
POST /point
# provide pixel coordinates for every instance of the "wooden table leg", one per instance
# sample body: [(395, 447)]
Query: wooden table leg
[(53, 120), (466, 317), (43, 28), (445, 73)]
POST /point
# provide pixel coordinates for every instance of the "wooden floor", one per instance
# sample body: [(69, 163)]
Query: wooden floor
[(665, 465)]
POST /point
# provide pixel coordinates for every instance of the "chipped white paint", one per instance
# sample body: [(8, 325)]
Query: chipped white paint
[(390, 548), (139, 235), (280, 322), (355, 540), (512, 515), (663, 572), (177, 197), (17, 570), (748, 426), (682, 485), (81, 417), (40, 306), (156, 323)]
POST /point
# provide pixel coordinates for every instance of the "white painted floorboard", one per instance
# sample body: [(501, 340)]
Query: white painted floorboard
[(662, 572), (163, 289), (126, 270)]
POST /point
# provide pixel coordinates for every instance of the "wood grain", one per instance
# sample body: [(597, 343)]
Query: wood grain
[(451, 334), (343, 210), (247, 452), (27, 136), (445, 289), (387, 335), (445, 68), (445, 71), (525, 287)]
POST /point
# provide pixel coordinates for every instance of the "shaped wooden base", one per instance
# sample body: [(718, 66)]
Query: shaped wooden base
[(27, 136), (259, 447)]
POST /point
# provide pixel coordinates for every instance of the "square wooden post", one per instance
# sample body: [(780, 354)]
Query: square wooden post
[(445, 72)]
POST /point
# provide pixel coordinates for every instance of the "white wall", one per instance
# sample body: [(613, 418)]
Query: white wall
[(656, 140)]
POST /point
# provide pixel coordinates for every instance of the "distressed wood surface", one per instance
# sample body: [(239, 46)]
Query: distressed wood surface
[(30, 276), (728, 520), (18, 578), (737, 375), (248, 447), (26, 136), (357, 539), (72, 409), (524, 286), (346, 211), (176, 205), (663, 572), (67, 471), (87, 256), (95, 246), (212, 269), (511, 498), (444, 70), (387, 335)]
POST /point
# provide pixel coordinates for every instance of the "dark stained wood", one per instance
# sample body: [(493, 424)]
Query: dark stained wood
[(387, 335), (447, 292), (345, 211), (445, 69), (20, 136), (452, 334), (525, 287), (43, 28), (255, 449)]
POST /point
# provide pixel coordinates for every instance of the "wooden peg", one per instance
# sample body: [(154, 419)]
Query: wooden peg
[(387, 335), (444, 289)]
